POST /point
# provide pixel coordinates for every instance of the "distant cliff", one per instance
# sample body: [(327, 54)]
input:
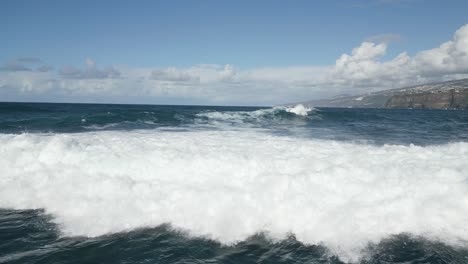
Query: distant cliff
[(451, 99), (443, 95)]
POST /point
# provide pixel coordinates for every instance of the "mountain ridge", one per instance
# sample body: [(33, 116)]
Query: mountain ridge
[(439, 95)]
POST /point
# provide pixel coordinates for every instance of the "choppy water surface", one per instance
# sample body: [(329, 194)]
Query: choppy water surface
[(193, 184)]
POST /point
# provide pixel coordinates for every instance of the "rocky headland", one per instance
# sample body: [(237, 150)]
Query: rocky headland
[(443, 95)]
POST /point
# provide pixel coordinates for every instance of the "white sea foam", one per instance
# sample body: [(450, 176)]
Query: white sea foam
[(230, 185), (299, 110), (241, 116), (237, 116), (101, 127)]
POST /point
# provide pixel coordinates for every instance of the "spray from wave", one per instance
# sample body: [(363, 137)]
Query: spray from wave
[(267, 116), (230, 185), (299, 110)]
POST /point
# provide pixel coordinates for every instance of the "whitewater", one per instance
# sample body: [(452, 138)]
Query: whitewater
[(226, 178)]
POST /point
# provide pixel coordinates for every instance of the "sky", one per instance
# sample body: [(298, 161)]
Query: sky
[(225, 52)]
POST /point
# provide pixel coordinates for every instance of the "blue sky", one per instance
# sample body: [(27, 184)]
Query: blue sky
[(248, 35), (243, 33)]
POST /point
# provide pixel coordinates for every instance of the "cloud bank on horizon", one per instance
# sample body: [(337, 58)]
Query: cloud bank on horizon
[(363, 70)]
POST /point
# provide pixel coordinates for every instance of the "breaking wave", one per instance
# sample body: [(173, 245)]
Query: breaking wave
[(117, 117), (264, 117), (300, 110), (229, 185)]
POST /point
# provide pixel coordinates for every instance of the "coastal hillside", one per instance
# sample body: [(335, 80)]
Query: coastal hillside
[(443, 95)]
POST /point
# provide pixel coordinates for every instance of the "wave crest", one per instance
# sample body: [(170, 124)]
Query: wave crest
[(299, 110), (262, 116)]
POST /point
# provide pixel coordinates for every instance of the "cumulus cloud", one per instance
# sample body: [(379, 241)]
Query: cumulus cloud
[(14, 66), (361, 70), (91, 71), (44, 68), (174, 75), (26, 82), (203, 73), (449, 58), (20, 64)]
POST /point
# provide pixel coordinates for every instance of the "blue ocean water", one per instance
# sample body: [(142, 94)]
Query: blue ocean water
[(378, 126), (84, 183)]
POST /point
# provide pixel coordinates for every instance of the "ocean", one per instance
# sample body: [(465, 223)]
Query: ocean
[(90, 183)]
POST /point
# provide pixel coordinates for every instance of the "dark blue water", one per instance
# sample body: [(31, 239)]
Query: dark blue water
[(29, 235), (379, 126)]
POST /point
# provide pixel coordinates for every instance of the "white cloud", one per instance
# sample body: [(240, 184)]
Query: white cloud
[(91, 71), (450, 58), (363, 67), (174, 75), (361, 64), (44, 68), (362, 70), (14, 66), (21, 64), (27, 82)]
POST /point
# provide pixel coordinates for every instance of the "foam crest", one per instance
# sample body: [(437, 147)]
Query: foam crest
[(256, 116), (230, 185), (235, 116), (299, 110)]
